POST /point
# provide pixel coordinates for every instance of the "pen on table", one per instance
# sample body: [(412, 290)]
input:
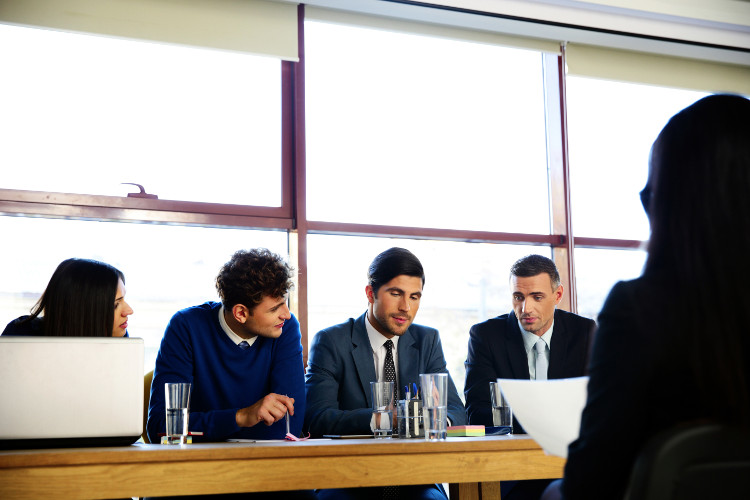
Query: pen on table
[(287, 420), (407, 397)]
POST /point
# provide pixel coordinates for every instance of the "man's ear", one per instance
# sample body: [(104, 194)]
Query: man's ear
[(370, 294), (559, 294), (240, 313)]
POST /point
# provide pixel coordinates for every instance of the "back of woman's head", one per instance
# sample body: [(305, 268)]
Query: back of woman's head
[(79, 300), (699, 182), (698, 201)]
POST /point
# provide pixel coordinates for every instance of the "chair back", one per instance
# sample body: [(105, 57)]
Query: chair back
[(146, 398), (693, 462)]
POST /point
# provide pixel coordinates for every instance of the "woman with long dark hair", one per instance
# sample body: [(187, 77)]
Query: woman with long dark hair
[(84, 298), (673, 346)]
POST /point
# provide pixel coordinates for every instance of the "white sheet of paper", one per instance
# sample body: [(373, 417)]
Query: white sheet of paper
[(549, 410)]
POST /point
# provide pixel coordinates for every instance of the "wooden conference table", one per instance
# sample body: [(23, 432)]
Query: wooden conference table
[(473, 466)]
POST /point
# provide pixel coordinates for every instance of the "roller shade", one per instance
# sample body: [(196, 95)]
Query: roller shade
[(429, 29), (653, 69), (262, 27)]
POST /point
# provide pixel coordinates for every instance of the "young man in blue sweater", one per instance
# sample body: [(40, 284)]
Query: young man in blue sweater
[(243, 356)]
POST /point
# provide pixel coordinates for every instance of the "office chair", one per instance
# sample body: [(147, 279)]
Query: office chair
[(146, 398), (693, 462)]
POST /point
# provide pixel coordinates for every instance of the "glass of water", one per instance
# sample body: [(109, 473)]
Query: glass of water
[(177, 403), (382, 409), (435, 405), (502, 414)]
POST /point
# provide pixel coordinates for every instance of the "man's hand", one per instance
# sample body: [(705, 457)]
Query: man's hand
[(270, 409)]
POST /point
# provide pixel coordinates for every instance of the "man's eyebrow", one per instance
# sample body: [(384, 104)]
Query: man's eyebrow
[(283, 301), (399, 290)]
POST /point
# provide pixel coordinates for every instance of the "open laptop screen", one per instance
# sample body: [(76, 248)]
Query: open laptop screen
[(70, 391)]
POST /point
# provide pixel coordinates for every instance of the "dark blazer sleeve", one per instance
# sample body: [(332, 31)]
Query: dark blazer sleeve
[(571, 343), (436, 364), (480, 371), (330, 377), (613, 423)]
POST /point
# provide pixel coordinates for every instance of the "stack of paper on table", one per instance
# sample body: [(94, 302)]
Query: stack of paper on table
[(549, 410)]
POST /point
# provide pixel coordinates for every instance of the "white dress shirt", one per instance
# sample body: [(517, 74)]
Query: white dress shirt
[(233, 336), (377, 342), (529, 340)]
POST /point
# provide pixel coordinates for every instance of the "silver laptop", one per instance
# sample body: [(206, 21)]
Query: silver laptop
[(70, 391)]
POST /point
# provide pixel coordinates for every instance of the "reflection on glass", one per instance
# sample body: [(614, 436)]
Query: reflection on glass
[(611, 128), (85, 113), (597, 270), (465, 283), (418, 131), (166, 268)]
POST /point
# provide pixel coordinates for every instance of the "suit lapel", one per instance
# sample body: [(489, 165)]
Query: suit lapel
[(408, 371), (558, 348), (519, 360), (362, 355)]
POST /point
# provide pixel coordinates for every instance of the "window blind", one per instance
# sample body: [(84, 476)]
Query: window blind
[(262, 27), (654, 69)]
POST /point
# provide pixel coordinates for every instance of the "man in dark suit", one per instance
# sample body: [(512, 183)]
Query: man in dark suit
[(534, 341), (345, 358)]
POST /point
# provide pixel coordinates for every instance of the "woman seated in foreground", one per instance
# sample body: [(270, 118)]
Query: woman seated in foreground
[(84, 298), (673, 346)]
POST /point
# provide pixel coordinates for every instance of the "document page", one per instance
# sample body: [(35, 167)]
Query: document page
[(549, 410)]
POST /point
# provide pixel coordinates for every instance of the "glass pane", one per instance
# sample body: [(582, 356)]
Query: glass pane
[(598, 270), (611, 129), (86, 113), (465, 283), (166, 268), (418, 131)]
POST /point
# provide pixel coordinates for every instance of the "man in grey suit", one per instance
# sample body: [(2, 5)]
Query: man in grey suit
[(345, 358)]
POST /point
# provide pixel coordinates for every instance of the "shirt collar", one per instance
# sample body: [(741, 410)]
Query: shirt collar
[(529, 339), (232, 336), (377, 339)]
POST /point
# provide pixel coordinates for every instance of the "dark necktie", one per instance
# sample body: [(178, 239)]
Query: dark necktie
[(244, 345), (389, 368), (389, 375)]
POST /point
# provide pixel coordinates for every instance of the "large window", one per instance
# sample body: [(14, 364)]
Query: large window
[(411, 130), (612, 126), (83, 114)]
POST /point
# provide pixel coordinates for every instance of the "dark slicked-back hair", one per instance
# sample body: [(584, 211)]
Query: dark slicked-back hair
[(532, 265), (79, 300), (698, 201), (391, 263), (251, 275)]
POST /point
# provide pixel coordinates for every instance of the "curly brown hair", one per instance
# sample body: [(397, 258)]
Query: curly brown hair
[(251, 275)]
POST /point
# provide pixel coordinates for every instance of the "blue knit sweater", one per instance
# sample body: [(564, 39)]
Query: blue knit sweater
[(226, 378)]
